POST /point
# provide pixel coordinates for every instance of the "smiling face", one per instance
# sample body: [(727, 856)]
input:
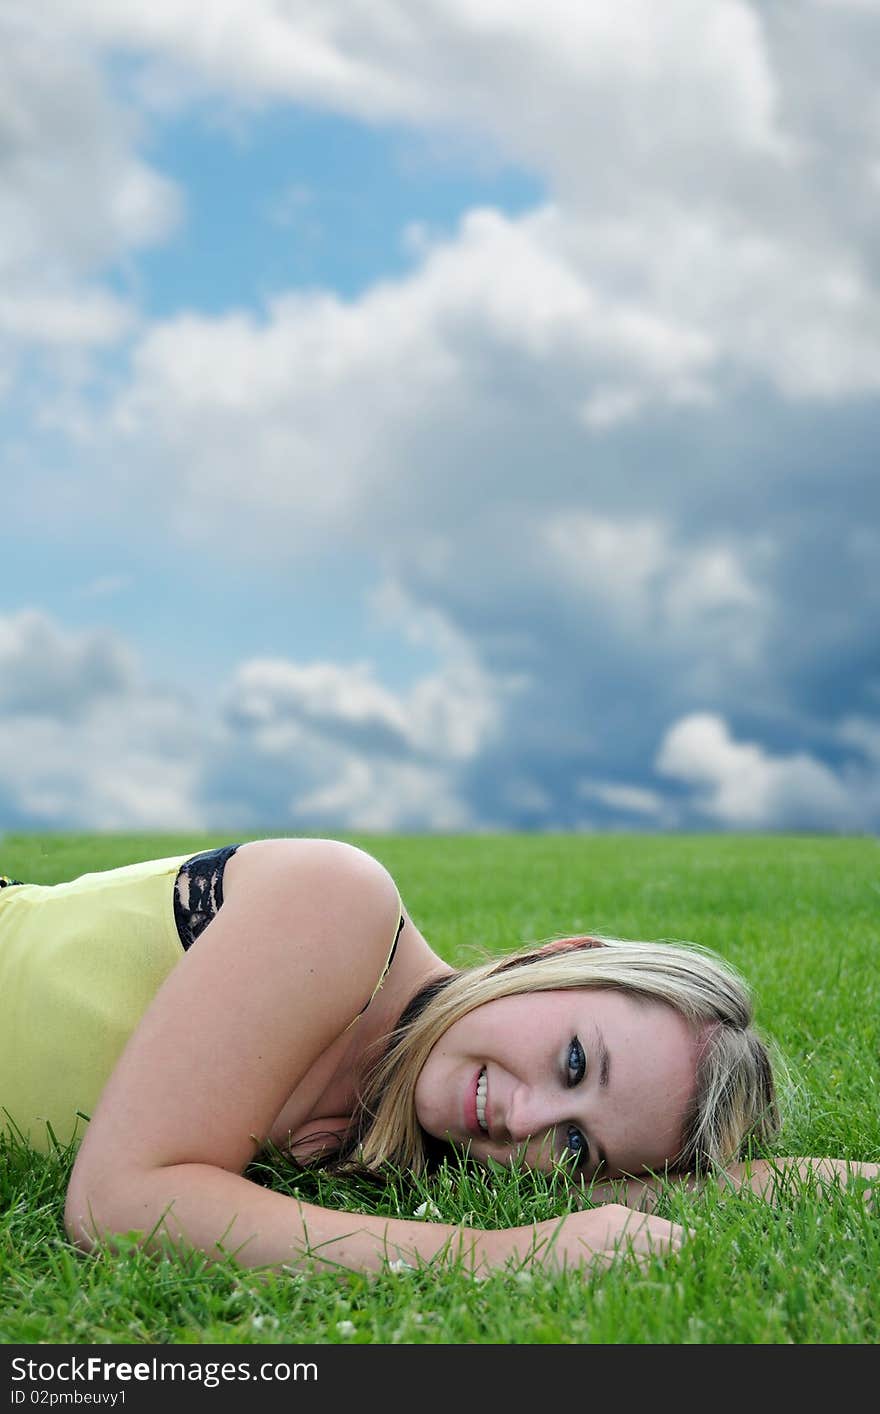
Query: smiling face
[(592, 1076)]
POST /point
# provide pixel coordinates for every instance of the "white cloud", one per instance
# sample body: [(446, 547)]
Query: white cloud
[(265, 690), (741, 785), (864, 735), (472, 62), (628, 799), (333, 406), (385, 796), (74, 196), (608, 405), (86, 741), (124, 766), (649, 584), (357, 755), (66, 318), (50, 673), (708, 583), (669, 254), (336, 406), (687, 242), (444, 716)]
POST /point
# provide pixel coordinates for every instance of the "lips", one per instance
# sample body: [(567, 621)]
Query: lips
[(480, 1101), (473, 1116)]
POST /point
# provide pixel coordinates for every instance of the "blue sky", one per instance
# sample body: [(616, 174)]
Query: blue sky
[(459, 421), (288, 198)]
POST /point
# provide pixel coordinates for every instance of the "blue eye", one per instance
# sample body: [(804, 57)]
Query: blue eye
[(577, 1147)]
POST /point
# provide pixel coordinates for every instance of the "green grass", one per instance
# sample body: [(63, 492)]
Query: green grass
[(799, 916)]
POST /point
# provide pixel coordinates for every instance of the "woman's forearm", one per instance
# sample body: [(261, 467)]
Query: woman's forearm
[(219, 1213), (772, 1178), (769, 1178)]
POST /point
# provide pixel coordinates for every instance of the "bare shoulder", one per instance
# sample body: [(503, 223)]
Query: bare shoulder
[(252, 1007), (285, 863), (345, 886)]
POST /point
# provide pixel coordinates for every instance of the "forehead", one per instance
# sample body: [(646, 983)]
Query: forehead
[(622, 1012)]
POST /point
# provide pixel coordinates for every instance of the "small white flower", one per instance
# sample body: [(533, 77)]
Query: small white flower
[(400, 1266), (427, 1210), (346, 1328)]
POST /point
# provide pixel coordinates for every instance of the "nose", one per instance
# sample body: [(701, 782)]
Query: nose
[(531, 1113)]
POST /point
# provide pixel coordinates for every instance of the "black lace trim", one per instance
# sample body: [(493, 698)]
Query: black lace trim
[(198, 892)]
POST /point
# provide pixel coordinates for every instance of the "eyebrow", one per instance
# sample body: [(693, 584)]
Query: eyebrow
[(604, 1076), (604, 1061)]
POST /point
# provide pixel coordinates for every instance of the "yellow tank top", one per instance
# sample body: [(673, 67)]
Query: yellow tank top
[(79, 964)]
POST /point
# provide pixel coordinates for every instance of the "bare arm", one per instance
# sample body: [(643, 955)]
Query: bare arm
[(199, 1206), (773, 1178), (769, 1178), (268, 991)]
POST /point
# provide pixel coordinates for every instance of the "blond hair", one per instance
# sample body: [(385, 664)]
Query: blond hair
[(735, 1095)]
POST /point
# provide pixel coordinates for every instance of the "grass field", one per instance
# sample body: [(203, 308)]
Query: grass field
[(799, 916)]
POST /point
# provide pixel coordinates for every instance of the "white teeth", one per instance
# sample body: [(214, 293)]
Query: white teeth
[(482, 1087)]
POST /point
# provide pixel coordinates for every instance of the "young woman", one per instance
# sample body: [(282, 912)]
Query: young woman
[(277, 993)]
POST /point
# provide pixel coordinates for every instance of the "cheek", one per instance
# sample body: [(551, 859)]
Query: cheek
[(430, 1088), (422, 1088)]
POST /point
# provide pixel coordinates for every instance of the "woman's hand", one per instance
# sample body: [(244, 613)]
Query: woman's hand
[(593, 1238)]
